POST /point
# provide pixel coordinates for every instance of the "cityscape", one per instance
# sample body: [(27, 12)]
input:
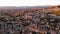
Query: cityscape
[(30, 20)]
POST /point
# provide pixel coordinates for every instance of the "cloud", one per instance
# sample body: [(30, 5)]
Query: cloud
[(28, 2)]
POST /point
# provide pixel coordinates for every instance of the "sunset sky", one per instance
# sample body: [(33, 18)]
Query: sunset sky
[(28, 2)]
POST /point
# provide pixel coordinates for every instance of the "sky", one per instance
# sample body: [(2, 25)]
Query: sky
[(29, 2)]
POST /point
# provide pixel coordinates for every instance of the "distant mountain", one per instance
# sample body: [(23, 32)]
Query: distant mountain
[(22, 7)]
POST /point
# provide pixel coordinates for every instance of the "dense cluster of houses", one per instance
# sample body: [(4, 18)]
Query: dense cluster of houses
[(29, 21)]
